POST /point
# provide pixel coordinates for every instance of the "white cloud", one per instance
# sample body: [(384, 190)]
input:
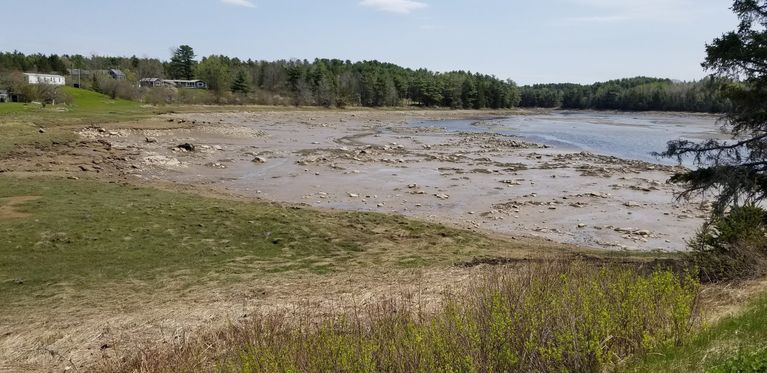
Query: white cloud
[(394, 6), (243, 3)]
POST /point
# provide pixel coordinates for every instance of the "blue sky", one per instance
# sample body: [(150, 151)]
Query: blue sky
[(529, 41)]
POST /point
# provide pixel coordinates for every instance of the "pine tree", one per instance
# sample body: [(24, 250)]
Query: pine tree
[(240, 83), (182, 63), (735, 169)]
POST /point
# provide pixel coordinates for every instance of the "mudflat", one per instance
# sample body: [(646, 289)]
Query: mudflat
[(377, 161)]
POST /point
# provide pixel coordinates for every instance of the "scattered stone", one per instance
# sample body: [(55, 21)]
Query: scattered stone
[(40, 130), (442, 196), (581, 225), (632, 204), (353, 195), (259, 159), (150, 140), (187, 147)]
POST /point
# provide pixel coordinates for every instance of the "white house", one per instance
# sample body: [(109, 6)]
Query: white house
[(51, 79)]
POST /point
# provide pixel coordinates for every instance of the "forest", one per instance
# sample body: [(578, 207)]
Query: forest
[(634, 94), (342, 83), (322, 82)]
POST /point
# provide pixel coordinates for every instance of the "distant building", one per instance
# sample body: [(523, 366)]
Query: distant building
[(153, 83), (4, 96), (194, 84), (33, 78), (176, 83), (116, 74)]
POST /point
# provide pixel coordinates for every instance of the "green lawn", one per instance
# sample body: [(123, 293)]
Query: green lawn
[(86, 105)]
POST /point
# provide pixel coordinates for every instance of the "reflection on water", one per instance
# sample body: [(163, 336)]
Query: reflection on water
[(624, 135)]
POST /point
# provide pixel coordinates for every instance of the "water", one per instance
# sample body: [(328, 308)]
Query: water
[(624, 135)]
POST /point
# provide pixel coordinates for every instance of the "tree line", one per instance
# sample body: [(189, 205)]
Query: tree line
[(340, 83), (633, 94), (322, 82)]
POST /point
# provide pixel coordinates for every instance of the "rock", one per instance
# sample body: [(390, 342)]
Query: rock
[(187, 146), (412, 186), (259, 159), (353, 195), (442, 196), (643, 232), (380, 205), (40, 130), (150, 140), (581, 225), (632, 204)]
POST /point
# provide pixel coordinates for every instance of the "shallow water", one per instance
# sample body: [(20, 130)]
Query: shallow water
[(624, 135)]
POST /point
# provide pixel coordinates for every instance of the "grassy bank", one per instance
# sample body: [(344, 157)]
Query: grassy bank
[(60, 234), (545, 317), (735, 344)]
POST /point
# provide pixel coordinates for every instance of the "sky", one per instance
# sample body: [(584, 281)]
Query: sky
[(544, 41)]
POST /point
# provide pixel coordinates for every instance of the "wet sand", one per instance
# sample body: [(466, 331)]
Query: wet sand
[(374, 161)]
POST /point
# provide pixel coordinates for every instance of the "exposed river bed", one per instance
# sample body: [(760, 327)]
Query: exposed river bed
[(584, 178)]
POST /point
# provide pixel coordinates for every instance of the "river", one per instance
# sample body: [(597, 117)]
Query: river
[(624, 135)]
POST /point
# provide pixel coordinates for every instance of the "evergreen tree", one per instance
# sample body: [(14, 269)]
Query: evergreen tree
[(736, 169), (182, 63), (240, 83)]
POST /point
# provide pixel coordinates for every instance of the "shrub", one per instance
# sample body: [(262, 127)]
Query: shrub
[(546, 317), (160, 95), (116, 88), (732, 246)]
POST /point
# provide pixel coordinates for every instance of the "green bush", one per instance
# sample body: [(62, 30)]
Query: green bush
[(548, 317), (732, 246)]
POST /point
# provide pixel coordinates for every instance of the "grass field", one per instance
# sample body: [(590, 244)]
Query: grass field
[(89, 234)]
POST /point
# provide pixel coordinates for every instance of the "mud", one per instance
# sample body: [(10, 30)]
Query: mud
[(375, 161)]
